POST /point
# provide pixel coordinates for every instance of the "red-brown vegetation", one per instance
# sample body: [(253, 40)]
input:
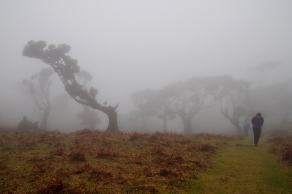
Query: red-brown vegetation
[(77, 156), (98, 162), (55, 185), (282, 145)]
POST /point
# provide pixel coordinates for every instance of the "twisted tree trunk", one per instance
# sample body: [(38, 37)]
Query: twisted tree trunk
[(66, 68), (233, 120), (112, 120)]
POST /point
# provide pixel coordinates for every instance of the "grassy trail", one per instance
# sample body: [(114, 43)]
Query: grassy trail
[(241, 168)]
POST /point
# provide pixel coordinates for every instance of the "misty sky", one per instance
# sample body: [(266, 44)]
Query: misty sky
[(129, 45)]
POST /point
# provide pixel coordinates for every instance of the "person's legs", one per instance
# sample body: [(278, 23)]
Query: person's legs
[(254, 135), (258, 135)]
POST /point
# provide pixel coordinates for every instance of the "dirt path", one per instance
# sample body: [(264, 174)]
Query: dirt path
[(241, 168)]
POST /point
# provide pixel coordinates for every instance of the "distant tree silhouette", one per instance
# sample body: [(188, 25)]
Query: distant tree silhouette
[(67, 68), (190, 97), (154, 103), (38, 86), (235, 103), (184, 99), (275, 98)]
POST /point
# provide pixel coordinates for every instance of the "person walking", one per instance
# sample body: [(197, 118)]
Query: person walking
[(257, 123)]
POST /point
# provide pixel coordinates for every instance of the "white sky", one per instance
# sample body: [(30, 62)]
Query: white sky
[(129, 45)]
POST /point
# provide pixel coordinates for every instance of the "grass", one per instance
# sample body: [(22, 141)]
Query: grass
[(241, 168), (96, 162)]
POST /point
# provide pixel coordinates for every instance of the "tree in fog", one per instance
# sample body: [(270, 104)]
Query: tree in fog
[(275, 98), (67, 68), (189, 98), (154, 103), (88, 118), (38, 86), (282, 102), (235, 103), (84, 77)]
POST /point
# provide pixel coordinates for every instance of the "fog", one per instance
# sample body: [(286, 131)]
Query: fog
[(132, 45)]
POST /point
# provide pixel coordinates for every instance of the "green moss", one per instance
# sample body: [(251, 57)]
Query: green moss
[(241, 168)]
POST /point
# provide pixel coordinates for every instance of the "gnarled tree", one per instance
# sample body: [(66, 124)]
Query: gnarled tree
[(67, 68), (235, 104), (186, 99), (190, 97), (38, 86), (88, 118)]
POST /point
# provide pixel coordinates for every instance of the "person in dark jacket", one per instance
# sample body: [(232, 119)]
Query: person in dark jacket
[(257, 124)]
